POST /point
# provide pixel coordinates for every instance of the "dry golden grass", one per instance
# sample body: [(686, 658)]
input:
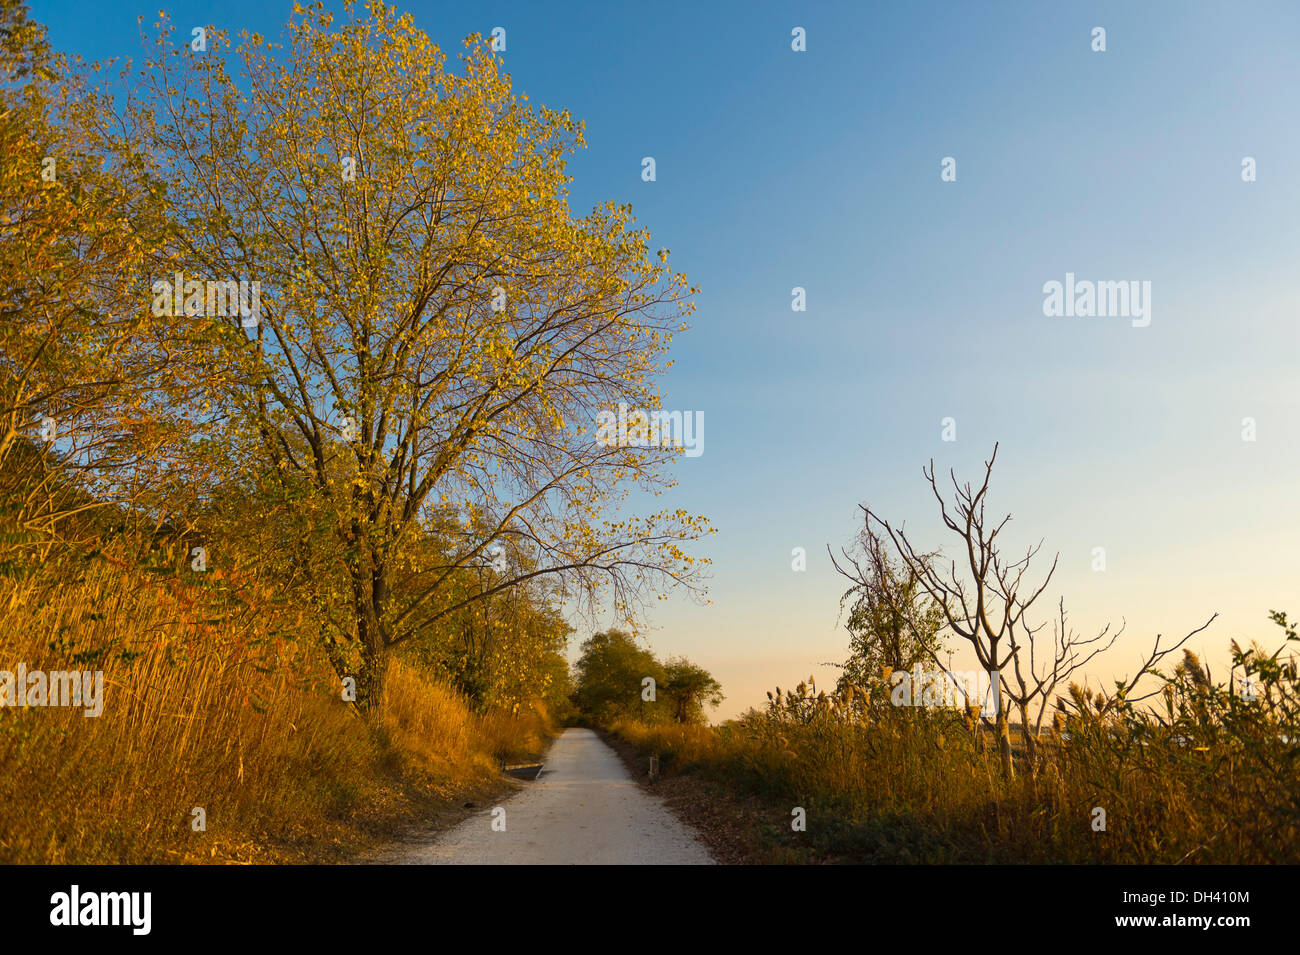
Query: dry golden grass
[(214, 715), (922, 787)]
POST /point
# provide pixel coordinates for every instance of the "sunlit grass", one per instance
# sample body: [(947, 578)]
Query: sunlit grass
[(925, 786), (251, 729)]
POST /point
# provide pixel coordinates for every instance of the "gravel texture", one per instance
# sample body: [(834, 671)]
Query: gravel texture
[(583, 810)]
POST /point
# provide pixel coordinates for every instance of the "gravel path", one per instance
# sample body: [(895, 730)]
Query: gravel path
[(584, 810)]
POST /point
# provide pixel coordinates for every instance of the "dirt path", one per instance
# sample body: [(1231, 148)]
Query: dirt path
[(584, 809)]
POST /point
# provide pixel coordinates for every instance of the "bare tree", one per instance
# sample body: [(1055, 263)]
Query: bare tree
[(1124, 689), (989, 607), (1069, 654)]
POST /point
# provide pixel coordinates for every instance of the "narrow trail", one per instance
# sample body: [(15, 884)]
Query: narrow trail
[(584, 810)]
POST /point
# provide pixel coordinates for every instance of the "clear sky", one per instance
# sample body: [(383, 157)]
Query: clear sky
[(821, 169)]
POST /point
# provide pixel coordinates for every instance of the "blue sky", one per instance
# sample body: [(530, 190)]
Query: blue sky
[(821, 169)]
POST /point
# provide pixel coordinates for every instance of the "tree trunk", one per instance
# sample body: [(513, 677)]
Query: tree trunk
[(1031, 741), (369, 591), (370, 678), (1002, 728)]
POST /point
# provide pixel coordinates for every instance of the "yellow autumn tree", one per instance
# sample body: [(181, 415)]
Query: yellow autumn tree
[(434, 332), (80, 357)]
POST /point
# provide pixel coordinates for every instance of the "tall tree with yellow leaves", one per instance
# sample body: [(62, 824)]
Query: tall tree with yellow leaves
[(434, 332)]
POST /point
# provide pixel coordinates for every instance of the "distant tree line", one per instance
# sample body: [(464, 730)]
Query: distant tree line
[(618, 679)]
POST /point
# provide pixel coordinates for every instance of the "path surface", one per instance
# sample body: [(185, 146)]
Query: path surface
[(584, 809)]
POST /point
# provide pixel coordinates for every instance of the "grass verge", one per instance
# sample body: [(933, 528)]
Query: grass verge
[(228, 718)]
